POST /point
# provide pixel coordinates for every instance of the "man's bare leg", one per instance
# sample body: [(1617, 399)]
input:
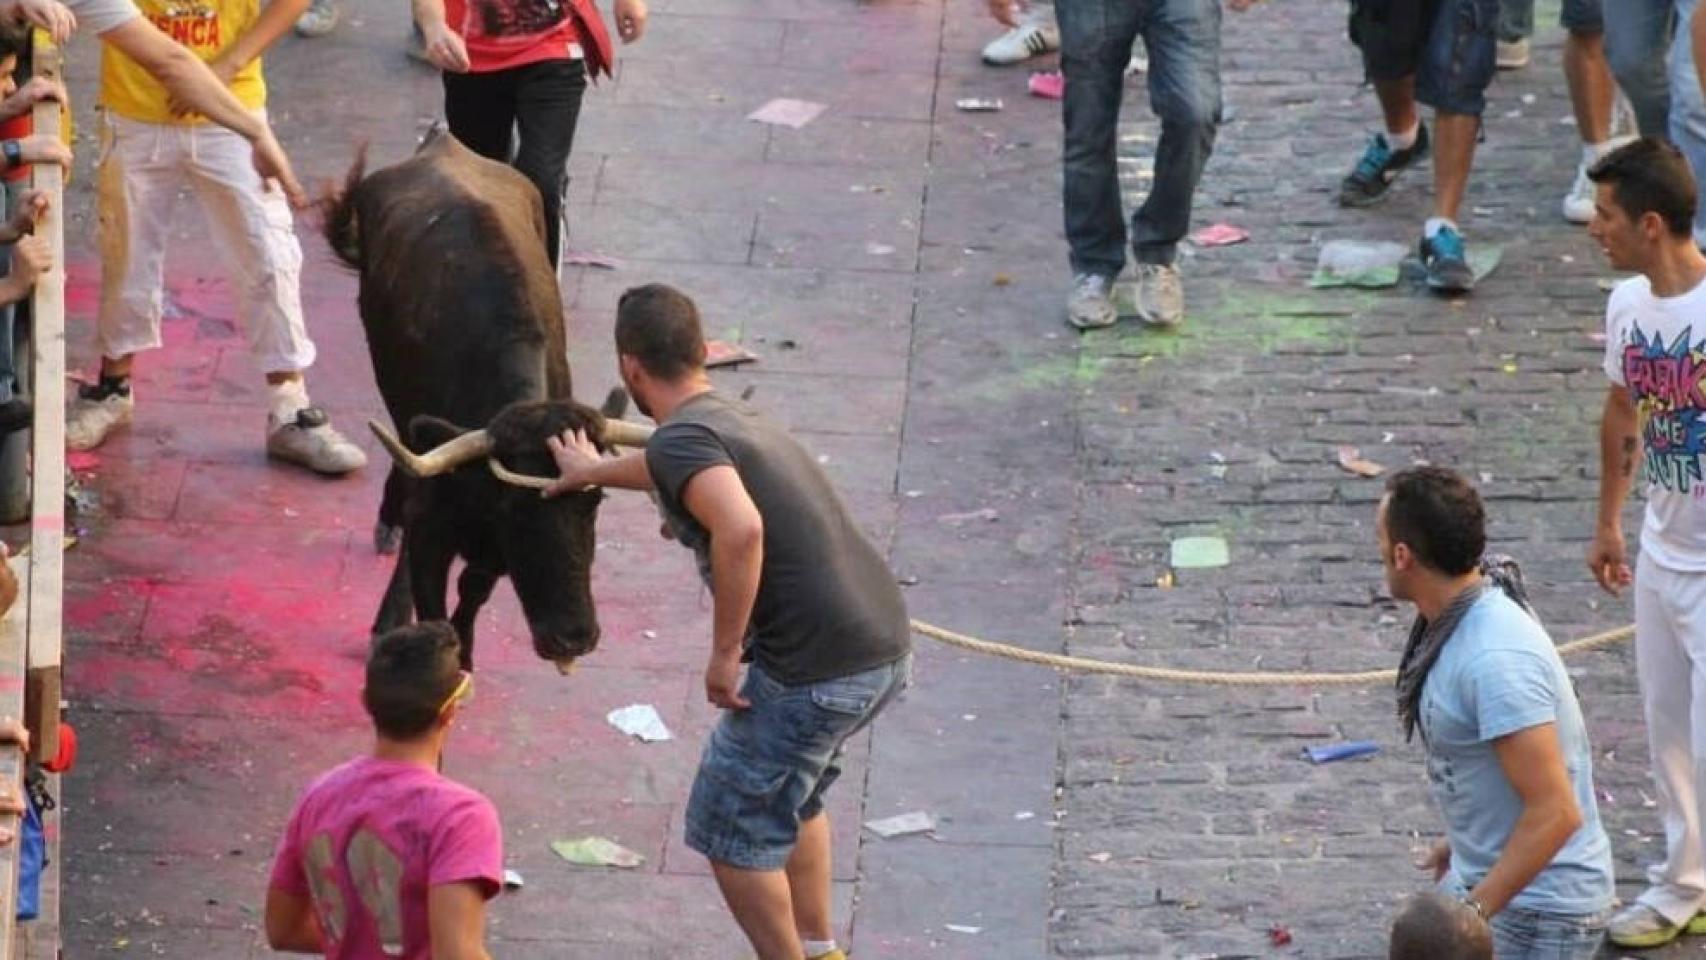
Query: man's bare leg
[(1454, 153), (1398, 105), (808, 872), (1592, 89), (760, 902)]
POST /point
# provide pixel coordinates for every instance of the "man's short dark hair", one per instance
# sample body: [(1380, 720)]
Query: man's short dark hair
[(1439, 516), (14, 41), (658, 325), (411, 672), (1651, 176), (1431, 927)]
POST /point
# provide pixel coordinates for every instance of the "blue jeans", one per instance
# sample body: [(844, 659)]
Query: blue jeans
[(1182, 38), (1516, 18), (1637, 33), (765, 768), (1531, 935)]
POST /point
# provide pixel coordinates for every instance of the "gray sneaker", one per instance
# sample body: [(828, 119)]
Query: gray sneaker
[(1640, 927), (1160, 295), (98, 410), (310, 441), (1091, 305), (320, 19)]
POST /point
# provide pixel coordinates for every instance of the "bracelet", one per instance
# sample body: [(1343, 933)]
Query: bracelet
[(1475, 905)]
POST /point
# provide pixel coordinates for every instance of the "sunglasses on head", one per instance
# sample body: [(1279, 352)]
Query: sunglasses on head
[(460, 696)]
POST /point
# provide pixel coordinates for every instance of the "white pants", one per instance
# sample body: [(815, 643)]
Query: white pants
[(143, 167), (1670, 659)]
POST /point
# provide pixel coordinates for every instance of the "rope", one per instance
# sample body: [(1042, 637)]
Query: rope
[(1255, 678)]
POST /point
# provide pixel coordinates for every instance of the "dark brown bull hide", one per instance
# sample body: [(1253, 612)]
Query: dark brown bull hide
[(465, 329)]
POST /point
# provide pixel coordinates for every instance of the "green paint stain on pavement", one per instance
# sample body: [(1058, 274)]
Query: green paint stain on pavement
[(1241, 320), (1197, 553)]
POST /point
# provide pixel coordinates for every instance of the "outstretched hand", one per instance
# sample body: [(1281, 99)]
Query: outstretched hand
[(575, 454)]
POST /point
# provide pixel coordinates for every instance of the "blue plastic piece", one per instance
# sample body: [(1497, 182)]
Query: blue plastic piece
[(1341, 751)]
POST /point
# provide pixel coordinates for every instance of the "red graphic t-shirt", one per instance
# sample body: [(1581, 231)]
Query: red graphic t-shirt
[(501, 34)]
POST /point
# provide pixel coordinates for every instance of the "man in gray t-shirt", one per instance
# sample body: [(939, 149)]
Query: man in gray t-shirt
[(795, 587), (182, 73)]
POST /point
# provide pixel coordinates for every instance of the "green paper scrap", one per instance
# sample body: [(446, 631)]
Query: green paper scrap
[(1373, 278), (597, 852), (1196, 553), (1484, 259)]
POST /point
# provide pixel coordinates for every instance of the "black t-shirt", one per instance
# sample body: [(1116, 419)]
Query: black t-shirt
[(827, 604)]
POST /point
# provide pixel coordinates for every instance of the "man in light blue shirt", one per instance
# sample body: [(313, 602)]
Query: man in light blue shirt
[(1507, 751)]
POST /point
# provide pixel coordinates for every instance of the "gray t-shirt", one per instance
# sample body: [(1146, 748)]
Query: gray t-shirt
[(99, 16), (827, 605)]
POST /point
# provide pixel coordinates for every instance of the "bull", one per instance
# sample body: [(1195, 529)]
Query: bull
[(464, 324)]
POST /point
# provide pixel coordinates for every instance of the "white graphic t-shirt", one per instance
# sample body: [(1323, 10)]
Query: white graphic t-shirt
[(1656, 347)]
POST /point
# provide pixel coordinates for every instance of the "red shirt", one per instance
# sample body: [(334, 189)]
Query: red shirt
[(501, 34), (17, 128)]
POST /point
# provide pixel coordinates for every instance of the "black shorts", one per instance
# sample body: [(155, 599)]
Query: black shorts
[(1447, 45)]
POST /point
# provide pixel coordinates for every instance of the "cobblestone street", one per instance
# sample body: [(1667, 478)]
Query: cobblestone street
[(899, 267)]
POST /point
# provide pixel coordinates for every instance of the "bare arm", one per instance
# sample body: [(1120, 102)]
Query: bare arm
[(193, 84), (275, 19), (1619, 456), (444, 47), (718, 499), (456, 917), (291, 924), (1697, 38), (1534, 764)]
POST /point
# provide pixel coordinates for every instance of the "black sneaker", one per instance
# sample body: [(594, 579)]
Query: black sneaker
[(1379, 166), (1446, 263)]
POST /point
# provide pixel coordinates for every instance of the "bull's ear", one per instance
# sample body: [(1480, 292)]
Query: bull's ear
[(427, 432), (615, 405)]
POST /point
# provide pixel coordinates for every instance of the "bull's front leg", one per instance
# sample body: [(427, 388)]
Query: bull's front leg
[(473, 589), (398, 603), (429, 557)]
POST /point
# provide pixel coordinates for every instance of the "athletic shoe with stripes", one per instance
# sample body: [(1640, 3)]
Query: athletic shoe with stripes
[(1027, 40)]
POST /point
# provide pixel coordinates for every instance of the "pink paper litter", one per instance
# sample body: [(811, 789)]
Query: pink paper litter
[(1049, 86), (587, 258), (1220, 235), (82, 461)]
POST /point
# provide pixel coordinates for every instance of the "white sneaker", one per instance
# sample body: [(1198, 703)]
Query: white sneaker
[(310, 441), (1512, 55), (1160, 295), (1091, 305), (320, 19), (94, 416), (1031, 38), (1578, 203), (1139, 63)]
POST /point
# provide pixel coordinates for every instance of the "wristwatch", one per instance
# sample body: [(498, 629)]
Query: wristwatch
[(14, 154)]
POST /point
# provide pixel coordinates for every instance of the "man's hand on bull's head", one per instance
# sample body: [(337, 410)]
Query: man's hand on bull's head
[(576, 455)]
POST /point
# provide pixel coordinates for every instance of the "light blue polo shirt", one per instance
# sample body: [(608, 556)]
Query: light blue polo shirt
[(1500, 674)]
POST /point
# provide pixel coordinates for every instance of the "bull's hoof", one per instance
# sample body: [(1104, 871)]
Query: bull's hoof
[(387, 539)]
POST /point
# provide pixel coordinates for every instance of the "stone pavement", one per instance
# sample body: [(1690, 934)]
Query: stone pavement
[(899, 267)]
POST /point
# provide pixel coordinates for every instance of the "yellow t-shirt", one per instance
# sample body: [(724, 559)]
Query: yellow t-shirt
[(207, 28)]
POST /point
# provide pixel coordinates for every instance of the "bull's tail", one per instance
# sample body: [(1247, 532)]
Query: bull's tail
[(337, 207)]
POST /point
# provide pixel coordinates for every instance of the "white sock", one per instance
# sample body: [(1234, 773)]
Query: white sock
[(1436, 224), (817, 948), (285, 399), (1404, 141)]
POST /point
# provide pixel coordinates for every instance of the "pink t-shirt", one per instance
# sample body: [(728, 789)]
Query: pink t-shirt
[(367, 841)]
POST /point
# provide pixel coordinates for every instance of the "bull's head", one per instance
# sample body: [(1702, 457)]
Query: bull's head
[(547, 545)]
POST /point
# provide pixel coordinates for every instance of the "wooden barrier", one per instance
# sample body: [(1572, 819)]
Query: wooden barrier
[(31, 632)]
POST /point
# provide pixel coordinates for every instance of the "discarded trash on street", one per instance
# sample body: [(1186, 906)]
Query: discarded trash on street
[(586, 258), (720, 354), (1219, 235), (1197, 553), (513, 881), (1049, 86), (597, 852), (1348, 750), (640, 720), (1350, 459), (785, 112), (1354, 263), (979, 104), (903, 825)]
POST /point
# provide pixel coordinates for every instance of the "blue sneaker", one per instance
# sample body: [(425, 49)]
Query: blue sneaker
[(1446, 263), (1379, 166)]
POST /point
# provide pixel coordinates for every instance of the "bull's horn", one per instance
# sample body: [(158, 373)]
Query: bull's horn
[(518, 479), (443, 458), (622, 433)]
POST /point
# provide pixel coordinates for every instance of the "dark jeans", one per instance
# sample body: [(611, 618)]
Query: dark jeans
[(1096, 37), (542, 99)]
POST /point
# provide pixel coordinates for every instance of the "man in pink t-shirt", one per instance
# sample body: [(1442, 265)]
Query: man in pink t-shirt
[(383, 856)]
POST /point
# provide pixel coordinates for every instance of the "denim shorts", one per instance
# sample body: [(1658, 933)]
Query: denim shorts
[(1447, 45), (765, 768), (1520, 934)]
